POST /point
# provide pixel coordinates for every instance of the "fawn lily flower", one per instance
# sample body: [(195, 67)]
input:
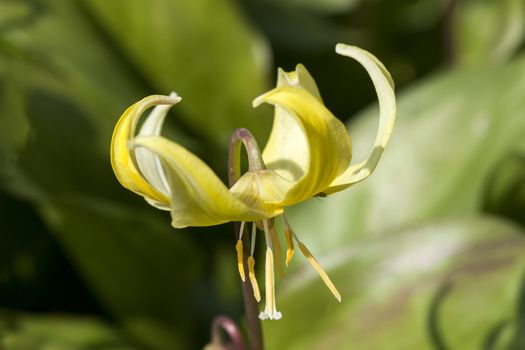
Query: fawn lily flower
[(308, 154)]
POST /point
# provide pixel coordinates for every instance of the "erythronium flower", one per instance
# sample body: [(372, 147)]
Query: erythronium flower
[(308, 154)]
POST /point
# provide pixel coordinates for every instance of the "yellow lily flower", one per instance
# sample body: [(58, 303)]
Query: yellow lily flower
[(308, 154)]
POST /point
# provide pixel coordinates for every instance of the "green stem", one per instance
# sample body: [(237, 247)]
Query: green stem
[(255, 338)]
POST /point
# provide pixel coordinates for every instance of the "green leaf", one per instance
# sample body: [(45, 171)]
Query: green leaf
[(454, 284), (450, 133), (505, 192), (55, 331), (202, 49), (320, 6), (285, 25), (60, 83), (72, 85), (14, 126), (74, 63), (488, 30), (138, 267)]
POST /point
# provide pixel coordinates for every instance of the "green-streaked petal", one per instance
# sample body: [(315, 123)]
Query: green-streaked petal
[(122, 159), (300, 77), (328, 151), (198, 197), (384, 86), (264, 186), (287, 136), (148, 163)]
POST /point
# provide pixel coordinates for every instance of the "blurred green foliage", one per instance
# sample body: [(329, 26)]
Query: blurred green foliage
[(453, 284), (60, 332), (428, 253)]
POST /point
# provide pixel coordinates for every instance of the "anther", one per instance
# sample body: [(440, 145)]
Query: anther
[(240, 264), (239, 249), (290, 246), (253, 280)]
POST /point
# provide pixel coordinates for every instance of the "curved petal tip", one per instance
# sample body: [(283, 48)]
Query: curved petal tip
[(384, 86)]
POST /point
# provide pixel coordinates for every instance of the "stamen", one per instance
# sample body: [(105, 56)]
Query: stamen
[(289, 234), (267, 236), (241, 231), (240, 264), (289, 242), (253, 280), (277, 246), (239, 248), (308, 255), (254, 235), (270, 310)]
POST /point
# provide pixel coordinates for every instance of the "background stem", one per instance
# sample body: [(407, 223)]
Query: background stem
[(251, 307), (449, 40)]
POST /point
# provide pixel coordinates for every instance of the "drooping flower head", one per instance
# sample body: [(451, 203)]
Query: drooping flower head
[(308, 154)]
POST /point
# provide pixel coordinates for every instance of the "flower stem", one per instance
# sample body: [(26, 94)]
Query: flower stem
[(255, 339), (255, 162)]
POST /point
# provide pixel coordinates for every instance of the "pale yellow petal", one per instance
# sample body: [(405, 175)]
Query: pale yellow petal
[(286, 137), (122, 159), (261, 188), (300, 77), (198, 197), (384, 87), (328, 148), (147, 162)]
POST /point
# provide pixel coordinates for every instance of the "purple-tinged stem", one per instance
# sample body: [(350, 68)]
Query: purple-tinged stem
[(244, 136), (225, 324)]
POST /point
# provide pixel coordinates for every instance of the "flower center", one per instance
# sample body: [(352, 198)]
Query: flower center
[(259, 188)]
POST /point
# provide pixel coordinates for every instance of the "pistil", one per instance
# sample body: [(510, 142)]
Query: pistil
[(277, 244), (270, 310)]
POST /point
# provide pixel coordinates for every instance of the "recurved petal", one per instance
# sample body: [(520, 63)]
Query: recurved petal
[(122, 159), (327, 151), (198, 197), (287, 136), (148, 163), (300, 77), (384, 86)]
